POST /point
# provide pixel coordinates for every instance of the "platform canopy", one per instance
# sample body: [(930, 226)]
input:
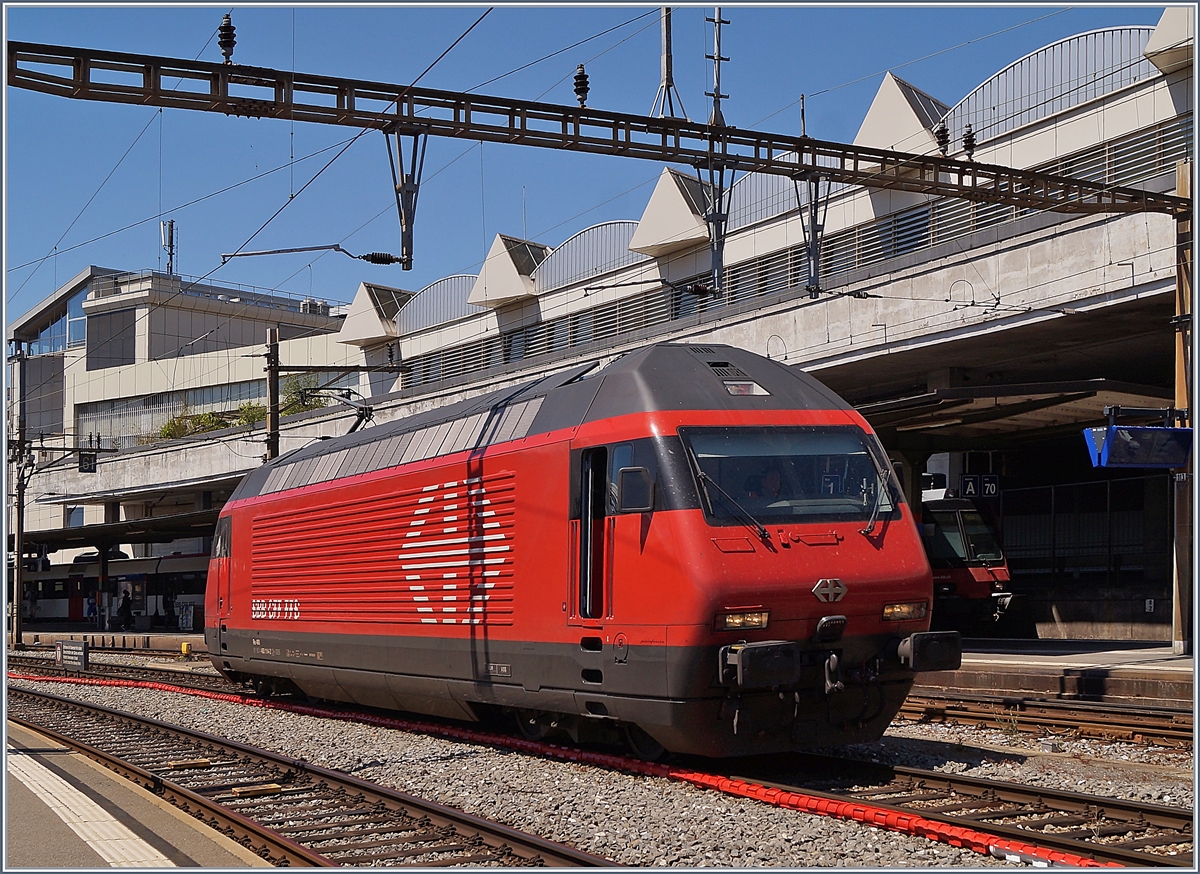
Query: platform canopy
[(151, 529), (996, 412)]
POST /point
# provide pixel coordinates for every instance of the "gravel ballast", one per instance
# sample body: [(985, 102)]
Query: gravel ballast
[(648, 821)]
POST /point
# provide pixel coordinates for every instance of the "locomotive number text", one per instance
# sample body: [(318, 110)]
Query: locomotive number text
[(274, 608)]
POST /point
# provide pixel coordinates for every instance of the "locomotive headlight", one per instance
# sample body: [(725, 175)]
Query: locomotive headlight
[(737, 621), (905, 610)]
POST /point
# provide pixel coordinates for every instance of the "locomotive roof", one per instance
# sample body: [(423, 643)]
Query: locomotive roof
[(665, 376)]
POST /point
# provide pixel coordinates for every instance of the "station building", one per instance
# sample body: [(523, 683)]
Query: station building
[(977, 339)]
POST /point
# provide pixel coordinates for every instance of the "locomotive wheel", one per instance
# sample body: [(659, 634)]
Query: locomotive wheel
[(530, 725), (643, 746)]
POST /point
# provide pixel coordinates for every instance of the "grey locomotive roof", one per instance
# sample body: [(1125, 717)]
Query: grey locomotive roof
[(666, 376)]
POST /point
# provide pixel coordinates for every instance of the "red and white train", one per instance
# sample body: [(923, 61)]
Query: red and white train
[(697, 546)]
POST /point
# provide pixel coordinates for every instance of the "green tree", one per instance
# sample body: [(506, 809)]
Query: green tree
[(185, 425), (251, 413), (294, 400)]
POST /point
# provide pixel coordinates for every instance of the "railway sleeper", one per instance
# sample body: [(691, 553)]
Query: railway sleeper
[(337, 804), (996, 813), (428, 841), (962, 805), (1057, 821), (351, 853), (316, 835), (1105, 831), (1154, 841), (349, 820)]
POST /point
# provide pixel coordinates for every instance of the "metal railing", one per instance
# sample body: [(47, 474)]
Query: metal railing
[(234, 292)]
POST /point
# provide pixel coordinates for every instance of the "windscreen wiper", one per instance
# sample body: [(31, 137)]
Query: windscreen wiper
[(878, 496), (758, 526)]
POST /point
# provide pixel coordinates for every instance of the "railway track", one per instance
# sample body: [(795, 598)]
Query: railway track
[(1150, 725), (1159, 726), (1105, 829), (1100, 828), (286, 810), (141, 673)]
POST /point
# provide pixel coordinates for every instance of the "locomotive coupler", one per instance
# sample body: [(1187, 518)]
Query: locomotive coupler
[(832, 683)]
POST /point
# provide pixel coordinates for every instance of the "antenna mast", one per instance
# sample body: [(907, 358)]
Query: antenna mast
[(167, 232), (664, 100), (716, 119)]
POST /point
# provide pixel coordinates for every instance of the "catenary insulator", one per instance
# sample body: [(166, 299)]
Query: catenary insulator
[(225, 39), (969, 142), (942, 134), (380, 258), (581, 85)]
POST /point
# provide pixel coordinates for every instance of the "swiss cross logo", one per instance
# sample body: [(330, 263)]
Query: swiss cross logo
[(829, 590)]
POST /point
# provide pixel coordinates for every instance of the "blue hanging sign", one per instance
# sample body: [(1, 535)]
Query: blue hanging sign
[(1142, 446)]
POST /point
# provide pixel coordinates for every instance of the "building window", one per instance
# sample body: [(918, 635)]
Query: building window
[(74, 517), (76, 320)]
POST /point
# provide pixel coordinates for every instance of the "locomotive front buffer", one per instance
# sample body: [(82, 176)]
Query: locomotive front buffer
[(777, 663)]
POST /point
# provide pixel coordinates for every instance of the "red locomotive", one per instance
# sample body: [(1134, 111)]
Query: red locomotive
[(971, 582), (697, 546)]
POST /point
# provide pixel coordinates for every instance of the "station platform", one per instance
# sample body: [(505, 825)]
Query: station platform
[(166, 641), (65, 811), (1146, 673)]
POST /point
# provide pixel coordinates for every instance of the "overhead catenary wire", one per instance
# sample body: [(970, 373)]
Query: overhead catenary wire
[(104, 182), (183, 289), (581, 214), (387, 209)]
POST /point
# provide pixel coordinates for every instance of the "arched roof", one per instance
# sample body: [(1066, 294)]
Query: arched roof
[(1052, 80), (437, 303), (590, 252), (1044, 82)]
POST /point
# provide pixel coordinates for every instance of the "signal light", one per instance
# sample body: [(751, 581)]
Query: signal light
[(905, 611), (738, 621)]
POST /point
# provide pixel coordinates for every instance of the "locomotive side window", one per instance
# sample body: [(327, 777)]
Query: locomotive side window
[(593, 498), (621, 456), (791, 474), (220, 544)]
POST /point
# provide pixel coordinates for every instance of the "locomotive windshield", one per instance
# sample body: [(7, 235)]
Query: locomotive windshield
[(961, 535), (790, 474)]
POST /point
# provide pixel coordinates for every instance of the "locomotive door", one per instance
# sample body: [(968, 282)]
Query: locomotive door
[(220, 576), (592, 536)]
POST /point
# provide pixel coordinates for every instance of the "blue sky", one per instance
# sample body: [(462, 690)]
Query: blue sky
[(59, 151)]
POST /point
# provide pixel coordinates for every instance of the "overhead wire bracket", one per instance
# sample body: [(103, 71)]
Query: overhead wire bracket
[(407, 184)]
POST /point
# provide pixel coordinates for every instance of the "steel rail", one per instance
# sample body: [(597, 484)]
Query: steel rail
[(260, 92), (1162, 726), (972, 802), (267, 844), (105, 671), (463, 829)]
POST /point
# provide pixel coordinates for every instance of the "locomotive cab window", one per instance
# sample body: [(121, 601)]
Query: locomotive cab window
[(220, 543), (790, 474), (960, 536)]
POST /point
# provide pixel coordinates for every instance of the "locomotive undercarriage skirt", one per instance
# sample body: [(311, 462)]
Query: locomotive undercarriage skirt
[(671, 693)]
